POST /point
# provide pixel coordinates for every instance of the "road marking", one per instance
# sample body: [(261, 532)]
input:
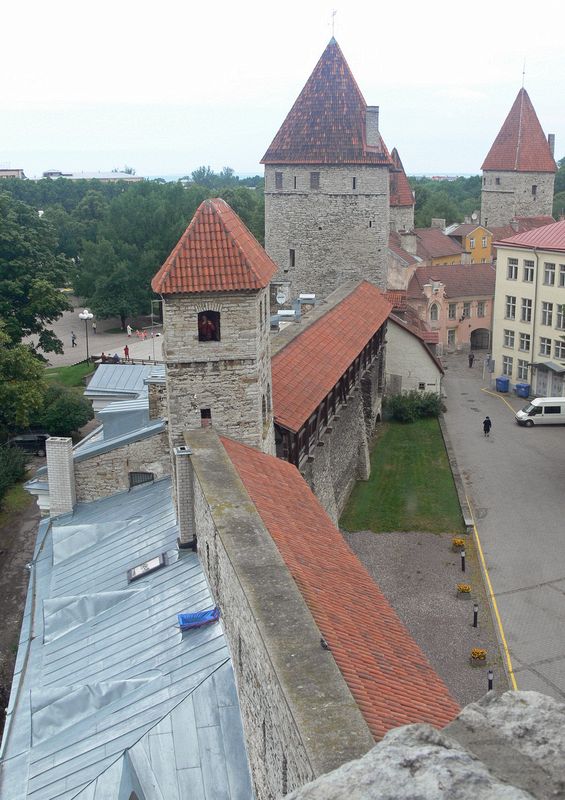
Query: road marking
[(493, 598), (504, 400)]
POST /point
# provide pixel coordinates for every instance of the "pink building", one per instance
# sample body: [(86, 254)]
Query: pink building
[(456, 300)]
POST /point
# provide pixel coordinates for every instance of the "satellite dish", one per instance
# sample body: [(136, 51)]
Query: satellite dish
[(281, 296), (474, 216)]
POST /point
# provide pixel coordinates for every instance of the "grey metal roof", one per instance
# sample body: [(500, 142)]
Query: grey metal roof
[(120, 379), (109, 696), (98, 446)]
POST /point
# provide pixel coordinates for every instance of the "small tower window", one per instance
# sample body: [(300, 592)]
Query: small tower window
[(354, 183), (370, 223), (295, 181), (497, 181), (291, 258), (434, 312), (314, 180), (209, 326), (534, 190), (205, 417), (278, 180)]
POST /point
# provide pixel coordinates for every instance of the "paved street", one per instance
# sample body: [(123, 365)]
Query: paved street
[(514, 481), (101, 341)]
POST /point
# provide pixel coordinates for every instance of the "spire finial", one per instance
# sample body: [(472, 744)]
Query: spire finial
[(524, 73), (334, 12)]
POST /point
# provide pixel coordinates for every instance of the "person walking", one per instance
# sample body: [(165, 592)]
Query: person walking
[(126, 352), (471, 359), (487, 425), (73, 339), (94, 327), (129, 330)]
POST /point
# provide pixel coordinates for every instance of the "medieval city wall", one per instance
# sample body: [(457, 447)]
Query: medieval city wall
[(297, 712), (337, 233), (513, 197), (108, 473), (402, 218), (231, 378)]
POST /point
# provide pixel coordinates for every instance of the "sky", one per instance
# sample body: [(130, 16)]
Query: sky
[(167, 87)]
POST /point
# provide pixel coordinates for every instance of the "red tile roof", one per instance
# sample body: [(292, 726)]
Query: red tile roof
[(522, 224), (216, 253), (460, 280), (433, 243), (400, 190), (388, 675), (397, 297), (326, 124), (466, 228), (548, 237), (521, 145), (311, 364)]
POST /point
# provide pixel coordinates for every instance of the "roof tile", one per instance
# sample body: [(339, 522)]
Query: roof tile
[(326, 124), (433, 243), (521, 145), (460, 280), (400, 190), (310, 365), (387, 673), (216, 253), (547, 237)]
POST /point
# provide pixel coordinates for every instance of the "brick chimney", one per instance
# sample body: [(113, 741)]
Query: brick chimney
[(184, 475), (372, 136), (61, 475), (408, 241)]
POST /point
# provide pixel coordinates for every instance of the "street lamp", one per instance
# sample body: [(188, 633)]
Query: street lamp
[(86, 315)]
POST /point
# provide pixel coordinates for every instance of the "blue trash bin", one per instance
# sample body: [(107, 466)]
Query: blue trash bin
[(523, 389), (502, 383)]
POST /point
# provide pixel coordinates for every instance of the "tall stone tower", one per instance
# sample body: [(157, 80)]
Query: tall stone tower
[(519, 170), (401, 196), (327, 185), (215, 290)]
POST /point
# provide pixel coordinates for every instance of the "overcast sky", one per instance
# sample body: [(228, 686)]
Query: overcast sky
[(166, 87)]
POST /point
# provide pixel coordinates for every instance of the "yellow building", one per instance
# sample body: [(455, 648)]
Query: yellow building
[(475, 240), (529, 309)]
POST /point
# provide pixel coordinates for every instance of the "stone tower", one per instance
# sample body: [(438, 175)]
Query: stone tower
[(401, 197), (215, 290), (327, 186), (519, 170)]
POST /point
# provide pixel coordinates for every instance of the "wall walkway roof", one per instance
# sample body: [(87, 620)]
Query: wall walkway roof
[(109, 697)]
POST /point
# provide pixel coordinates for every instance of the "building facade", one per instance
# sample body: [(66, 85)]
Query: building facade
[(327, 186), (519, 170), (529, 312), (401, 196)]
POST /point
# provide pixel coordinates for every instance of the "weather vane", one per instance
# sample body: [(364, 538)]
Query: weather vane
[(524, 73), (334, 12)]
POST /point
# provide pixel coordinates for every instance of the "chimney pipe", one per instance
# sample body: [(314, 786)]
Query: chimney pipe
[(372, 137), (551, 142), (61, 474), (184, 473)]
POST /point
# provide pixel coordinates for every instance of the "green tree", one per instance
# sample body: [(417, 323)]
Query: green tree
[(31, 274), (22, 385), (64, 411)]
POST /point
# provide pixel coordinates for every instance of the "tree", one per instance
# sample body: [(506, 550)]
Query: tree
[(31, 275), (22, 385), (64, 412)]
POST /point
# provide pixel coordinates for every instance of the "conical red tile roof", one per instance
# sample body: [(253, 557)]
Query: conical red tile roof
[(216, 253), (326, 124), (521, 145), (400, 191)]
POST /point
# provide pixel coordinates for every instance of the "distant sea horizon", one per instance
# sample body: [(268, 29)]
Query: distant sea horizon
[(447, 175)]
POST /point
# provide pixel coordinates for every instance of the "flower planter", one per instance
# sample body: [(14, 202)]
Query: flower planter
[(464, 591), (457, 545), (478, 657)]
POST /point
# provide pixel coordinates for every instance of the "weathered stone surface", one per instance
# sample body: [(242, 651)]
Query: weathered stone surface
[(513, 196), (508, 747), (337, 233), (415, 762)]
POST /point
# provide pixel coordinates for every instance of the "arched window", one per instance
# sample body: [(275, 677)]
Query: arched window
[(209, 326), (434, 312)]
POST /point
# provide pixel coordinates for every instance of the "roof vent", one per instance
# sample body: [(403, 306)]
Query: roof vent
[(152, 565)]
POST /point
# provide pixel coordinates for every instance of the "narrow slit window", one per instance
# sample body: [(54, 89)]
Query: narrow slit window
[(354, 183), (205, 417)]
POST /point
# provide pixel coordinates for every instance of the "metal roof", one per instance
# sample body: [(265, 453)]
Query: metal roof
[(109, 697), (120, 379)]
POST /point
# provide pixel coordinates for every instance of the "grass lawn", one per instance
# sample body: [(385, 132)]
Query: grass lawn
[(411, 487), (70, 376)]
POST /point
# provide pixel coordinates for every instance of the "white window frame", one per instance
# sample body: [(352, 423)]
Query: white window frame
[(546, 313), (548, 274), (526, 310), (507, 364), (510, 307), (522, 370), (545, 346), (466, 311), (562, 276), (528, 271), (525, 342), (452, 311), (512, 269), (559, 348), (481, 308), (560, 317), (508, 338)]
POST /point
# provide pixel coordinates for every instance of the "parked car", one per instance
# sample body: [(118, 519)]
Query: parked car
[(542, 411), (30, 442)]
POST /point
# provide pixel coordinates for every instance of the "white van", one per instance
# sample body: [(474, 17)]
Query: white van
[(542, 411)]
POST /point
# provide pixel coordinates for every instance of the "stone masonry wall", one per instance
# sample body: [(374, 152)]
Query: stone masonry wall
[(402, 218), (105, 474), (298, 714), (513, 197), (337, 233), (157, 393), (231, 377)]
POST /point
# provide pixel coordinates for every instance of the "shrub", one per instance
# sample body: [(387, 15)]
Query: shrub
[(410, 406), (64, 411), (12, 468)]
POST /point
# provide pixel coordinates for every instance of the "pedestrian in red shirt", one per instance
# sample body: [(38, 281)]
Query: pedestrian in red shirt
[(126, 352)]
